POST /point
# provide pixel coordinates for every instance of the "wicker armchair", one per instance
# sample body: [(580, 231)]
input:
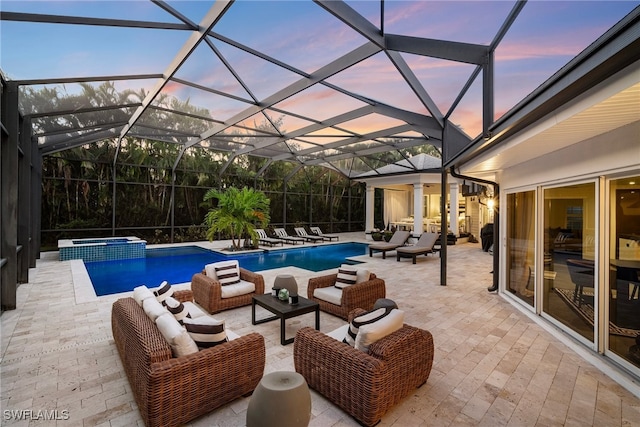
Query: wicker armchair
[(365, 385), (172, 391), (207, 292), (361, 295)]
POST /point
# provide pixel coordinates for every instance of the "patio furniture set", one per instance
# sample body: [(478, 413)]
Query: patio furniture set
[(182, 363)]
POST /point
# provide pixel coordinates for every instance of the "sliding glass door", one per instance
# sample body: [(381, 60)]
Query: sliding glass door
[(569, 224), (624, 269)]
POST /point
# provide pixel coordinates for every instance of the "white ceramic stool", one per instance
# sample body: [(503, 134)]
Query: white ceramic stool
[(281, 399)]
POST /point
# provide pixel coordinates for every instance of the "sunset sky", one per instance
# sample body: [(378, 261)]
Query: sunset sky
[(545, 36)]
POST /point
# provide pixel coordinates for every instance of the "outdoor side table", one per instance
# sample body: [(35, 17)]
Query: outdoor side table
[(283, 310)]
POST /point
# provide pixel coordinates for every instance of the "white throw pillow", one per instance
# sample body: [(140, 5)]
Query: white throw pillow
[(177, 337), (178, 309), (140, 293), (363, 319), (362, 274), (163, 291), (153, 308), (210, 269), (368, 334), (347, 276), (206, 331)]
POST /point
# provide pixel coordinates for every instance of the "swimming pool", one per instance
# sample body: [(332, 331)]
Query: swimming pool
[(178, 264)]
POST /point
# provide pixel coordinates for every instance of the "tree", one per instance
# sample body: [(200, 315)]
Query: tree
[(237, 213)]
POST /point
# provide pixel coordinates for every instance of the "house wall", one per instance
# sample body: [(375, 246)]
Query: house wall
[(599, 160)]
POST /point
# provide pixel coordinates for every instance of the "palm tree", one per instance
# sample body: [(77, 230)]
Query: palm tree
[(237, 213)]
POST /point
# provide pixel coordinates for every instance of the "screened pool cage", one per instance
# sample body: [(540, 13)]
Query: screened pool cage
[(123, 114)]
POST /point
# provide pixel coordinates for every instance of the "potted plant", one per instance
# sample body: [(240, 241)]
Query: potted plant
[(376, 235), (387, 235), (238, 213)]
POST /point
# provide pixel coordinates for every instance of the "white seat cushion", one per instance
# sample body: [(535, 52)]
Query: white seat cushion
[(194, 310), (237, 289), (329, 294)]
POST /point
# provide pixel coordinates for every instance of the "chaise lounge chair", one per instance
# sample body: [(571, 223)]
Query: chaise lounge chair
[(398, 239), (301, 232), (423, 246), (282, 234), (319, 232), (266, 240)]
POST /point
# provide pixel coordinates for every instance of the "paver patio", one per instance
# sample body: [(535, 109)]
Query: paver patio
[(493, 364)]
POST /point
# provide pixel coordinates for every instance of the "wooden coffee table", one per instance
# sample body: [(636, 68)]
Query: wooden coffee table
[(283, 310)]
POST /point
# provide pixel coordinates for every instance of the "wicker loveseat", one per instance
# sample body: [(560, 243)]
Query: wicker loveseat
[(361, 295), (365, 385), (172, 391), (207, 291)]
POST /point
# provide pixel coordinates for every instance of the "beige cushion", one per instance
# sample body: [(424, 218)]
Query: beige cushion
[(241, 288), (329, 294), (363, 275), (140, 293), (368, 334), (177, 337), (153, 308)]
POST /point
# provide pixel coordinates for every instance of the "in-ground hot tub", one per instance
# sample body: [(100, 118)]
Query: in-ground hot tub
[(102, 249)]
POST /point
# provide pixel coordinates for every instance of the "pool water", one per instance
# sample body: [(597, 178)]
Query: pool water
[(179, 264)]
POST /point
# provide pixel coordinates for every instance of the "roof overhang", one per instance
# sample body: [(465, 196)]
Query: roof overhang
[(597, 92)]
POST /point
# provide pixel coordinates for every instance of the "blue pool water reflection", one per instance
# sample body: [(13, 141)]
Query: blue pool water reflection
[(178, 264)]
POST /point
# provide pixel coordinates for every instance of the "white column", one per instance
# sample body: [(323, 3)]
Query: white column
[(369, 199), (454, 207), (418, 208)]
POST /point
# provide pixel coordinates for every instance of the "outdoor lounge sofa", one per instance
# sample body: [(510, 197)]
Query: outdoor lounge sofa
[(423, 246), (398, 239), (364, 384), (214, 297), (340, 302), (171, 391)]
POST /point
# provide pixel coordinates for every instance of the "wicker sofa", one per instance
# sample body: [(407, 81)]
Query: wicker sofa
[(365, 385), (207, 291), (361, 295), (172, 391)]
